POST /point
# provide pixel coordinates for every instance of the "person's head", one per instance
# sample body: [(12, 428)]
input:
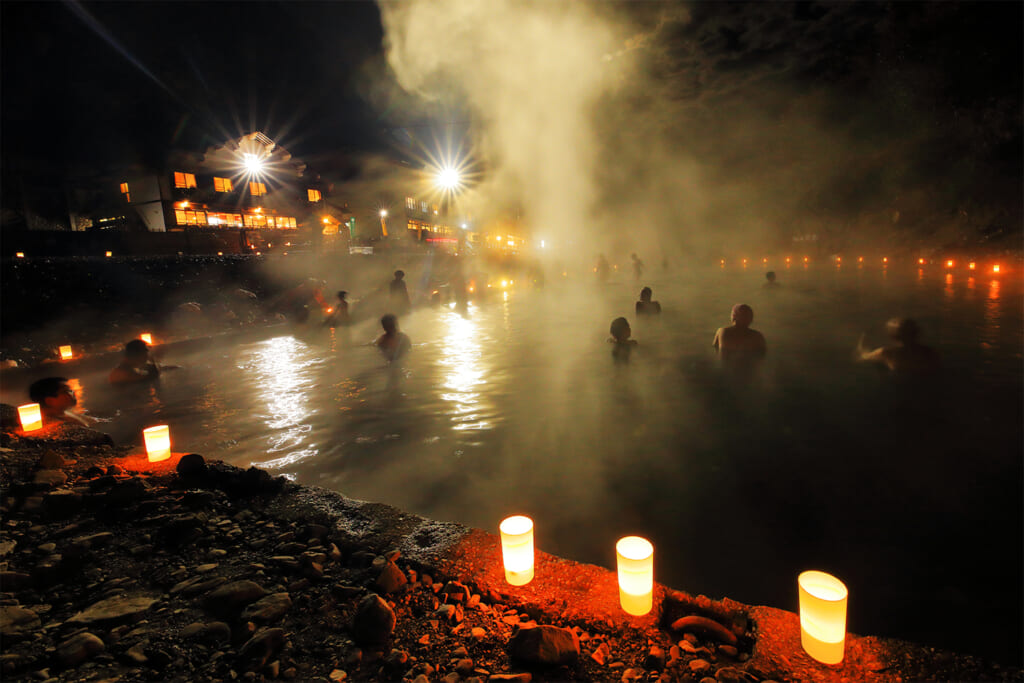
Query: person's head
[(52, 394), (770, 276), (136, 352), (399, 274), (645, 294), (742, 315), (903, 330), (342, 295), (620, 329), (390, 323)]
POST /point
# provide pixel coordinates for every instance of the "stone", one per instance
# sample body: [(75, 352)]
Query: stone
[(478, 633), (600, 654), (549, 645), (728, 650), (62, 503), (192, 465), (464, 667), (730, 674), (655, 658), (630, 675), (15, 580), (16, 621), (233, 597), (136, 654), (79, 648), (338, 675), (262, 648), (51, 460), (116, 609), (50, 478), (699, 666), (373, 622), (390, 579), (451, 678), (269, 609), (510, 678)]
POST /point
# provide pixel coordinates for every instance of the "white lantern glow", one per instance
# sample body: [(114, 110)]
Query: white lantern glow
[(822, 616), (517, 549), (65, 352), (30, 416), (146, 337), (158, 442), (636, 574)]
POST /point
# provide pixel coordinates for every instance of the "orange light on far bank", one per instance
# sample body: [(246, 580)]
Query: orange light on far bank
[(158, 442), (972, 265), (722, 263), (635, 556), (995, 268), (885, 259), (744, 262), (822, 616), (517, 549), (20, 254), (949, 264), (108, 254), (65, 352), (920, 261), (146, 337), (860, 259), (30, 416)]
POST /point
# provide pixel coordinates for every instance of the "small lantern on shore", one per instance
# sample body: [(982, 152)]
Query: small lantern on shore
[(146, 337), (108, 254), (822, 616), (19, 254), (517, 549), (158, 442), (636, 574), (31, 418), (65, 352)]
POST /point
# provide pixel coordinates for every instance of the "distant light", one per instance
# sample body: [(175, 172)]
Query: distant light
[(326, 221), (253, 164), (184, 205), (65, 352), (764, 260), (972, 265), (463, 226), (20, 254), (542, 244), (860, 259), (788, 259), (920, 261), (995, 268), (259, 253), (287, 244), (885, 259), (806, 259), (258, 209), (504, 283), (383, 213), (330, 310), (511, 243), (146, 337), (220, 253), (839, 259), (722, 262), (744, 262), (158, 442), (109, 254), (949, 264), (448, 178)]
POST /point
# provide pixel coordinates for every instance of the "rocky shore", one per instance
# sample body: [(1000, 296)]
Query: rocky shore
[(116, 569)]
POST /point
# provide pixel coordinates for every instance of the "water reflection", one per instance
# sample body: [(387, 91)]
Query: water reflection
[(461, 358), (948, 289), (283, 375), (989, 332)]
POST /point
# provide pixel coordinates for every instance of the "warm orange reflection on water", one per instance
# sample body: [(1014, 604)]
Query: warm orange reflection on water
[(461, 356)]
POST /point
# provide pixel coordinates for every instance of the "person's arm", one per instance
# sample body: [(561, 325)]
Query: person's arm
[(717, 343), (863, 353)]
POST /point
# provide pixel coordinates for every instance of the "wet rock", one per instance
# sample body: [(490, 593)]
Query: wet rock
[(391, 579), (136, 654), (79, 648), (373, 622), (116, 609), (61, 504), (728, 650), (50, 478), (451, 678), (262, 648), (510, 678), (464, 667), (15, 581), (455, 592), (546, 645), (655, 658), (51, 460), (230, 598), (478, 633), (630, 675), (126, 492), (730, 674), (600, 654), (337, 675), (698, 666), (269, 609), (192, 465), (16, 622)]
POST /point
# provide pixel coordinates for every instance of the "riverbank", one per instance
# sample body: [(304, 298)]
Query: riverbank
[(117, 569)]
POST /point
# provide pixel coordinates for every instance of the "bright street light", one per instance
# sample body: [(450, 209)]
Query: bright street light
[(383, 213), (253, 164), (448, 178)]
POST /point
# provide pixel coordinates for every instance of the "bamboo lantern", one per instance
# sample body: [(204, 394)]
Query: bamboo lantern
[(636, 574), (517, 549), (158, 442), (31, 418), (822, 616), (146, 337), (65, 352)]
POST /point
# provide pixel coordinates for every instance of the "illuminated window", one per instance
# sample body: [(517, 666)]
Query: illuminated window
[(248, 221), (257, 189), (291, 222), (190, 218), (179, 217), (314, 195), (238, 220), (201, 217), (185, 180), (423, 207), (222, 184), (124, 188), (410, 203)]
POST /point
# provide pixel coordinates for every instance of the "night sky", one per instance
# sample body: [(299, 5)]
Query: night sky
[(92, 84)]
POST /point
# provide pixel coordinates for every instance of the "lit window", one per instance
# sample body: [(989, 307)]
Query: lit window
[(124, 188), (291, 222), (410, 203), (201, 217), (238, 220), (222, 184), (314, 195), (190, 217), (179, 217), (248, 221), (185, 180), (257, 189), (423, 207)]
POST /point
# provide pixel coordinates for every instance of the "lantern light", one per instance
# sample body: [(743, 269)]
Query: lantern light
[(158, 442), (806, 259), (972, 265), (65, 352), (108, 254), (920, 261), (949, 264), (822, 616), (20, 254), (860, 259), (995, 268), (30, 416), (146, 337), (635, 557), (885, 259), (517, 549)]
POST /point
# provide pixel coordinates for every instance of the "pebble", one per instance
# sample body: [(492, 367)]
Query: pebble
[(464, 667), (120, 608), (232, 597), (373, 622), (545, 645), (478, 633), (269, 609), (699, 666), (79, 648), (338, 675), (630, 675)]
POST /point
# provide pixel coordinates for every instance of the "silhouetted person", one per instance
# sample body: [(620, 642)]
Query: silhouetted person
[(638, 267), (770, 282), (739, 343), (907, 357), (56, 398), (602, 268), (398, 295), (135, 366), (645, 306), (393, 344), (339, 316), (622, 345)]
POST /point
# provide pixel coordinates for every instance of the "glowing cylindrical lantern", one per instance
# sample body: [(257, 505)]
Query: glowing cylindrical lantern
[(20, 254), (636, 574), (822, 616), (31, 418), (146, 337), (65, 352), (109, 254), (517, 549), (995, 268), (158, 442)]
